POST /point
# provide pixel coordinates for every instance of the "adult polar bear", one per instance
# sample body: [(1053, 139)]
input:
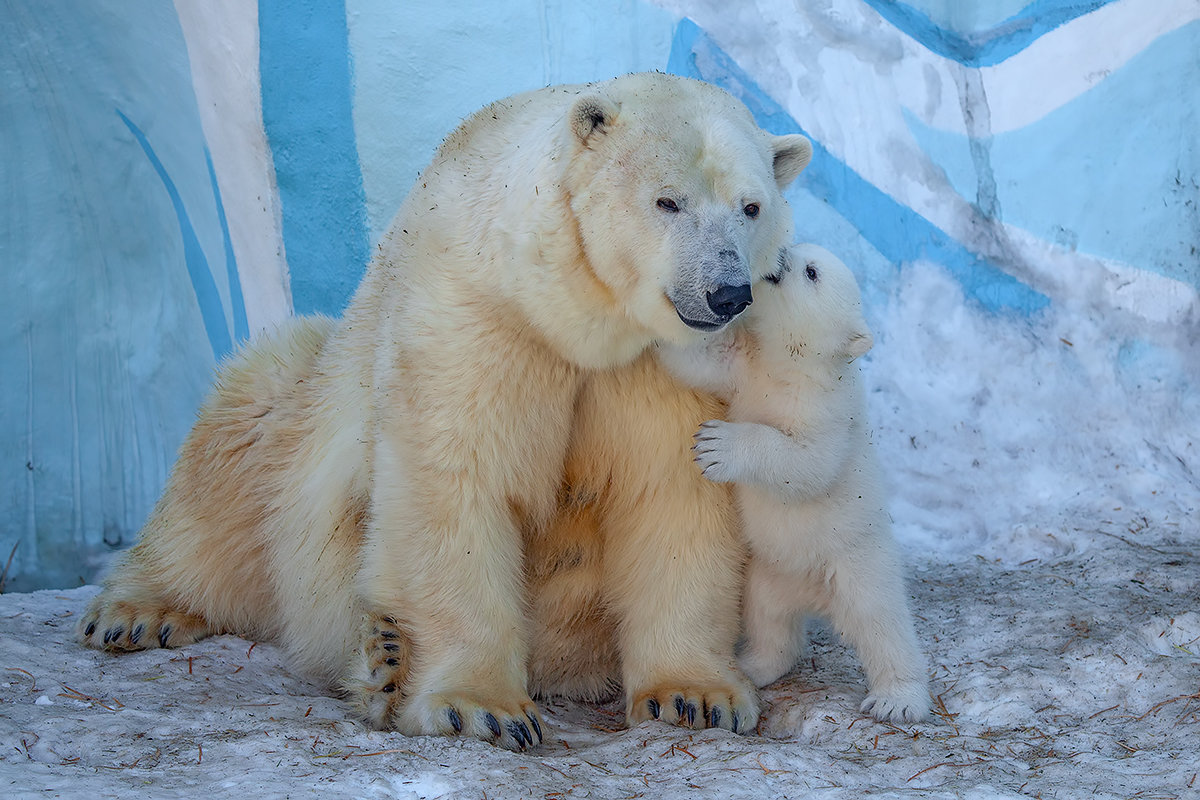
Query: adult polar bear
[(363, 491)]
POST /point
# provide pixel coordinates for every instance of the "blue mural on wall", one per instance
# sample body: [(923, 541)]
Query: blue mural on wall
[(310, 125), (897, 232), (212, 311)]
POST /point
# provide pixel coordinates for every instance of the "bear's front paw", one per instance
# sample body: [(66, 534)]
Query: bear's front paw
[(514, 723), (734, 708), (716, 451), (899, 703)]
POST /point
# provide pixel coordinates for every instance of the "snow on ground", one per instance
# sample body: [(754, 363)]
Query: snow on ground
[(1073, 676)]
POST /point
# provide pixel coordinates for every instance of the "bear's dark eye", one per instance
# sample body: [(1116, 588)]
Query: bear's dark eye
[(811, 272), (751, 210), (667, 204)]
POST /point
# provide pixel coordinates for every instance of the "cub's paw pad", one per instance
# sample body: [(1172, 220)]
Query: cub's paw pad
[(903, 703)]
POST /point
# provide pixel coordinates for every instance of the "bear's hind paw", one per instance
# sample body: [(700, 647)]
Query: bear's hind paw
[(902, 703), (730, 708), (122, 626)]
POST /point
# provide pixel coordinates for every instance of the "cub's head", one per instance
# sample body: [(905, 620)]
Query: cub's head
[(677, 194), (810, 307)]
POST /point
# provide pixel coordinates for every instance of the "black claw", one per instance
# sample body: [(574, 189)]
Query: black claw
[(136, 633), (679, 706), (388, 635), (112, 634), (493, 725), (537, 727), (391, 662), (737, 721), (714, 718), (90, 629), (519, 732), (455, 719), (391, 648), (164, 634), (655, 708), (691, 713), (391, 687)]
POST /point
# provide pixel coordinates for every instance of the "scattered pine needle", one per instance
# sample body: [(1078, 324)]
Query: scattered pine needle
[(1167, 702), (75, 694), (1104, 710), (26, 672)]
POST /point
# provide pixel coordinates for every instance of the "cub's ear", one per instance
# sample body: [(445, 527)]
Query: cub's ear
[(591, 116), (792, 154), (860, 342)]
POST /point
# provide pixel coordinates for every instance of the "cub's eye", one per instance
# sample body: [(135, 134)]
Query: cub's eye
[(811, 272), (667, 204), (751, 210)]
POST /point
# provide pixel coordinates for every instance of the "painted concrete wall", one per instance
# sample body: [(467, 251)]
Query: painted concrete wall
[(176, 178)]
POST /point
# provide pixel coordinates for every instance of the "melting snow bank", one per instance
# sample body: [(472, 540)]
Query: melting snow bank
[(1070, 676)]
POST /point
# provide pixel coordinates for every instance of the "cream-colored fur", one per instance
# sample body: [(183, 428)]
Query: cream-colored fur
[(796, 444), (365, 491)]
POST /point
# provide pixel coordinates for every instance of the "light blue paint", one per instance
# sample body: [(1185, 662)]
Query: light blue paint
[(421, 67), (981, 48), (241, 329), (304, 63), (207, 296), (1108, 173), (104, 356), (897, 232)]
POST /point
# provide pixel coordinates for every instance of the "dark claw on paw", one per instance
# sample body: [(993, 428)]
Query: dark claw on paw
[(391, 662), (90, 629), (136, 634), (388, 634), (493, 725), (391, 687), (679, 706), (519, 732), (391, 648), (655, 708), (112, 634), (163, 635), (691, 713), (537, 727), (714, 718), (455, 719), (736, 722)]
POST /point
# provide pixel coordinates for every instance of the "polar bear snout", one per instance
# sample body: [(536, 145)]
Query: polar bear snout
[(729, 301)]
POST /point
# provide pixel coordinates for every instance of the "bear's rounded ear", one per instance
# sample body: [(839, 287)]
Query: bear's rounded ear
[(792, 154), (592, 115), (860, 342)]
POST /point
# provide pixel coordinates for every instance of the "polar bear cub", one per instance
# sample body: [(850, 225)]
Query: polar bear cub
[(797, 446)]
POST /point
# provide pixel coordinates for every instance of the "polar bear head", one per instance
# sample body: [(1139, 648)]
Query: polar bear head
[(811, 307), (678, 197)]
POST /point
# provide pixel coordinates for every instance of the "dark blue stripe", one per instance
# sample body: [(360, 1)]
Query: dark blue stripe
[(241, 330), (211, 310), (990, 47), (304, 62), (900, 234)]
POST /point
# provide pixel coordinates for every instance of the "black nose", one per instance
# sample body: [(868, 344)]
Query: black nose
[(729, 301)]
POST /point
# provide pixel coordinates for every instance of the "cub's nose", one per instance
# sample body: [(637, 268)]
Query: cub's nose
[(729, 301)]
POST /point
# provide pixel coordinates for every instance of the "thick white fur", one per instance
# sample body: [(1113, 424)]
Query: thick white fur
[(797, 445), (366, 491)]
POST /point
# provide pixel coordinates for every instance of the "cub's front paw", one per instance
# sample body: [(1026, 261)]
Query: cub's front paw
[(716, 451), (899, 703), (732, 707), (513, 723)]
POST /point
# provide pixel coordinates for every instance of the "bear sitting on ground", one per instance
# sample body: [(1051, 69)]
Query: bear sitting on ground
[(797, 446), (364, 492)]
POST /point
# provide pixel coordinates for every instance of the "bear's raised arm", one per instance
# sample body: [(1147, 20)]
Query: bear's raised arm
[(710, 364)]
